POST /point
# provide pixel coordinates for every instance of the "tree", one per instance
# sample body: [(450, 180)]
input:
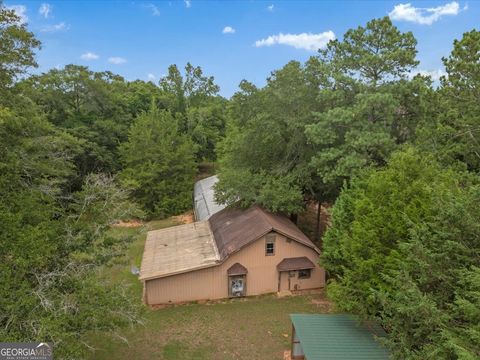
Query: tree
[(159, 164), (371, 107), (452, 132), (375, 54), (95, 107), (52, 241), (265, 156), (206, 127), (191, 90), (432, 313), (17, 49), (315, 125), (401, 238)]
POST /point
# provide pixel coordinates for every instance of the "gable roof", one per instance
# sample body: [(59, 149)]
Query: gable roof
[(338, 336), (234, 229)]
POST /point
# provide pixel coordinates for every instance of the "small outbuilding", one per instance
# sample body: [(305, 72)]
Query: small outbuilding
[(335, 337)]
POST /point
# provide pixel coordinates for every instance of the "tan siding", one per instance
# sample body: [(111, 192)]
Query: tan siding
[(212, 283)]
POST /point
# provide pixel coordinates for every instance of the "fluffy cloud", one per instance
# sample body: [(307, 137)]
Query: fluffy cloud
[(307, 41), (20, 11), (228, 30), (89, 56), (153, 8), (270, 7), (56, 27), (151, 77), (45, 10), (188, 3), (423, 16), (116, 60)]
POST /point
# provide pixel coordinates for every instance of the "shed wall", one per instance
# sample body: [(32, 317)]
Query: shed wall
[(212, 283)]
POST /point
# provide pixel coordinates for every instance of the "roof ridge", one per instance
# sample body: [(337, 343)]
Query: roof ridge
[(212, 237), (264, 214)]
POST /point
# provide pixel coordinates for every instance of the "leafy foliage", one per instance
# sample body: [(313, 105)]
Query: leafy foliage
[(17, 50), (452, 132), (314, 126), (265, 156), (400, 240), (159, 164), (52, 243)]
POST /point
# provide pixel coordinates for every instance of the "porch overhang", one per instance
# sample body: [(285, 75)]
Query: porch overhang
[(295, 263)]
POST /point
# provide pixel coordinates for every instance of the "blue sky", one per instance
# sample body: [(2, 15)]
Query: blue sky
[(231, 40)]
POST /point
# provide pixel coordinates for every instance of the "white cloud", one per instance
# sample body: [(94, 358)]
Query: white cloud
[(89, 56), (228, 30), (423, 16), (188, 3), (151, 77), (20, 11), (153, 8), (435, 75), (270, 7), (55, 27), (307, 41), (116, 60), (45, 10)]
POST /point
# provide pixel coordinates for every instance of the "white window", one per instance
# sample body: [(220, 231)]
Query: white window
[(270, 245)]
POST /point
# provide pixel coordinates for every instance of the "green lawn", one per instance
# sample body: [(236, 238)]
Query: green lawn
[(251, 328)]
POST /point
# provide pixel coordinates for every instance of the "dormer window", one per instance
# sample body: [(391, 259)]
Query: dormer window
[(270, 245)]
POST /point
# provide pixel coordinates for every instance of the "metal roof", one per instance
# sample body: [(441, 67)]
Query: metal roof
[(201, 244), (296, 263), (178, 249), (235, 228), (338, 337), (204, 198)]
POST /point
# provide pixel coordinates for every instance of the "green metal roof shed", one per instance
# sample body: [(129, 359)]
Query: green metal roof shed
[(335, 337)]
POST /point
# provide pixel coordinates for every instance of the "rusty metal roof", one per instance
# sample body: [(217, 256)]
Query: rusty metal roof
[(203, 244), (237, 269), (296, 263), (235, 228)]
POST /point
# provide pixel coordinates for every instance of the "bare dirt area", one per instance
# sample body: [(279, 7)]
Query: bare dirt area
[(128, 224), (186, 218)]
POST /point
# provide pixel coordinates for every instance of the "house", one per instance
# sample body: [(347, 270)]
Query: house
[(335, 337), (232, 253)]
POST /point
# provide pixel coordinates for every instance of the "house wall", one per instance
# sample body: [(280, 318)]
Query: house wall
[(212, 283)]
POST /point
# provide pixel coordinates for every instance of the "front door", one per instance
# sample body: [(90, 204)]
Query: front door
[(287, 278)]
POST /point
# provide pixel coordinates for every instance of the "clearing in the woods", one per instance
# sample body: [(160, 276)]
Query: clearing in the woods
[(250, 328)]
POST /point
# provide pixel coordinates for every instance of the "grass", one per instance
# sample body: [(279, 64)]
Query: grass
[(250, 328)]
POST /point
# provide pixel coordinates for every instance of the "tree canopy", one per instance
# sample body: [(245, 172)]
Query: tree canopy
[(159, 165)]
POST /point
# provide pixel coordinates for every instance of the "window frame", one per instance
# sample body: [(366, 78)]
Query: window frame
[(270, 239), (309, 272)]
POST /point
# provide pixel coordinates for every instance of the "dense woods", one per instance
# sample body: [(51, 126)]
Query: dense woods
[(397, 156)]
